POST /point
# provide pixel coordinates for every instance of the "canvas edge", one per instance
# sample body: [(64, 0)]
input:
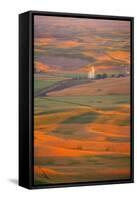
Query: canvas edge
[(24, 101)]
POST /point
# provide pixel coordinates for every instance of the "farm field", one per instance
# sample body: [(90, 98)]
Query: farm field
[(81, 100), (87, 131)]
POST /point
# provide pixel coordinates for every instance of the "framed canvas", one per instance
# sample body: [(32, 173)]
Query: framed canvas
[(75, 99)]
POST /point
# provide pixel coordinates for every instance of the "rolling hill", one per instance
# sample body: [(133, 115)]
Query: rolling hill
[(98, 87)]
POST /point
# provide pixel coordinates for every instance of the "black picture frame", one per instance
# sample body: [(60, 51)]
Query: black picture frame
[(26, 98)]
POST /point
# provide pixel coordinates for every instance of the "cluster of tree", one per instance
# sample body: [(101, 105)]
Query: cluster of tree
[(117, 75), (79, 77), (101, 76)]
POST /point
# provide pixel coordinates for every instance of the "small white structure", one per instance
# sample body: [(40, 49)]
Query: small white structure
[(37, 70), (127, 71), (91, 73)]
